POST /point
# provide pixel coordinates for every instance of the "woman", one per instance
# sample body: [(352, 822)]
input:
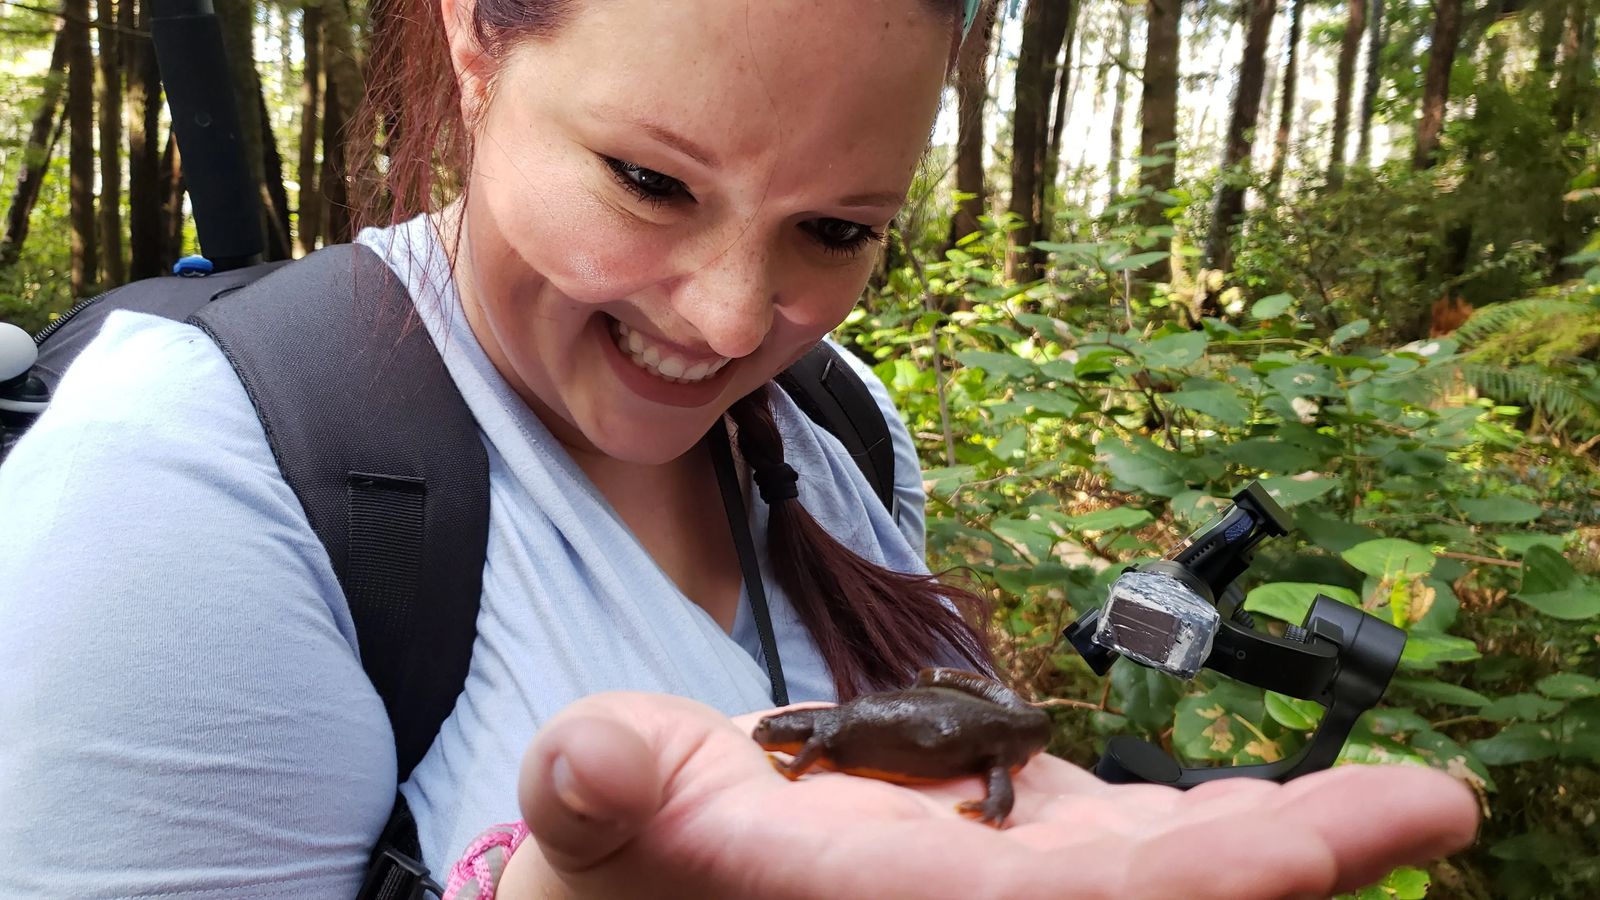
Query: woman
[(663, 204)]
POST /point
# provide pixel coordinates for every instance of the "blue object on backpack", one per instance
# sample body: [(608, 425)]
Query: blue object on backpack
[(192, 267)]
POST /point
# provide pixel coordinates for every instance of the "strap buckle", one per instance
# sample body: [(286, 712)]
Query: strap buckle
[(396, 876)]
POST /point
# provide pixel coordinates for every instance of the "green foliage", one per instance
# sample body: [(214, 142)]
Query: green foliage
[(1071, 427)]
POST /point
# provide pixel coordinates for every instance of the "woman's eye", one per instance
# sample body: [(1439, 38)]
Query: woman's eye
[(841, 236), (646, 184)]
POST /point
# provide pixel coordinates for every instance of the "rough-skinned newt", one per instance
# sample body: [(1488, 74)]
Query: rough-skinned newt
[(949, 724)]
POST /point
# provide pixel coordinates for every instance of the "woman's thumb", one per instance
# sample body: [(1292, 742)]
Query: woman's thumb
[(589, 785)]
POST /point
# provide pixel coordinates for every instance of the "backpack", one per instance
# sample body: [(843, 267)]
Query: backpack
[(366, 425)]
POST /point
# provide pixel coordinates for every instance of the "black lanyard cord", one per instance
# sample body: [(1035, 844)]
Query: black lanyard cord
[(739, 524)]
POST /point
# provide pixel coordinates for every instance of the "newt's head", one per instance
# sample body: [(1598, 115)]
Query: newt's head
[(786, 732)]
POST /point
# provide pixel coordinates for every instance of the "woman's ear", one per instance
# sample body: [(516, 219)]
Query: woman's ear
[(467, 58)]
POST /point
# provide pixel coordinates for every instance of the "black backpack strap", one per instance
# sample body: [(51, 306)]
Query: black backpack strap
[(370, 432), (831, 394)]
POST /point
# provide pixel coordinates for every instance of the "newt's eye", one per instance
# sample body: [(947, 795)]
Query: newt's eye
[(646, 184), (840, 236)]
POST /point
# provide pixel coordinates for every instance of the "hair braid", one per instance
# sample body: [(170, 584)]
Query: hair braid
[(873, 626)]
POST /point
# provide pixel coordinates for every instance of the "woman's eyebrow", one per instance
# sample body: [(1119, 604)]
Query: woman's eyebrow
[(662, 134), (878, 198)]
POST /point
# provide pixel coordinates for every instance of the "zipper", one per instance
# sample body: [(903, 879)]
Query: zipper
[(65, 317)]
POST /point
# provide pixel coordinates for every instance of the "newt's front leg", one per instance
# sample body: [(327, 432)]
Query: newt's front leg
[(809, 753), (997, 802)]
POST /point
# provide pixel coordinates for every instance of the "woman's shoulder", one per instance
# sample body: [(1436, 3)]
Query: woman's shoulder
[(148, 370)]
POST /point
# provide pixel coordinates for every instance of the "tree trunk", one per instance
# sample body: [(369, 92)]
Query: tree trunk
[(1369, 88), (172, 190), (1349, 49), (310, 198), (1158, 118), (80, 125), (237, 18), (342, 91), (1436, 84), (36, 157), (1291, 77), (146, 243), (1551, 21), (111, 142), (1124, 47), (335, 186), (1035, 81), (274, 197), (972, 96), (1050, 165), (1577, 66), (1228, 209)]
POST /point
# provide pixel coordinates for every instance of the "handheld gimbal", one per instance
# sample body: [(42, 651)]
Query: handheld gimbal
[(1184, 612)]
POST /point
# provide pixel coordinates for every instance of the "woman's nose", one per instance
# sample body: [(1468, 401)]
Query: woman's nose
[(729, 298)]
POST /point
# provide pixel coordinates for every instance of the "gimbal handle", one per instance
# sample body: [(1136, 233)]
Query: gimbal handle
[(1343, 663)]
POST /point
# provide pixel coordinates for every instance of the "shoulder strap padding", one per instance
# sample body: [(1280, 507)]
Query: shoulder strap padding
[(372, 435), (831, 394), (168, 296)]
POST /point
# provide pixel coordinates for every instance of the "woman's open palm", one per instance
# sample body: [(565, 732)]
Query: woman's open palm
[(649, 795)]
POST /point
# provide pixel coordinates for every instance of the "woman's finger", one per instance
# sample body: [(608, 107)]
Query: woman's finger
[(1374, 818), (589, 785)]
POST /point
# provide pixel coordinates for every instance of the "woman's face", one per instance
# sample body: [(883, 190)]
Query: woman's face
[(670, 202)]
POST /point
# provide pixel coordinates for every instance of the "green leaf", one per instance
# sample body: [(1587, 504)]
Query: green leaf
[(1524, 742), (1527, 707), (1520, 543), (1210, 398), (1572, 605), (1293, 490), (1120, 517), (1209, 726), (1288, 601), (1173, 351), (1032, 535), (1141, 464), (1136, 261), (1549, 850), (1002, 364), (1333, 535), (1271, 307), (1054, 403), (1501, 510), (1569, 686), (1146, 697), (1424, 650), (1546, 571), (1304, 380), (1407, 882), (1551, 586), (1390, 558), (1265, 454), (1293, 713), (1348, 331), (1441, 691), (1011, 443)]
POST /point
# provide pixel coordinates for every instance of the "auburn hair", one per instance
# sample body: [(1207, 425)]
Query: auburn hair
[(410, 152)]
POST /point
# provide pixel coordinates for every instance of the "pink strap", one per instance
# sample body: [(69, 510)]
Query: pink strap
[(476, 875)]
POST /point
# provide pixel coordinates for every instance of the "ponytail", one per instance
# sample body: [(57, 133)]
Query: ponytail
[(874, 627)]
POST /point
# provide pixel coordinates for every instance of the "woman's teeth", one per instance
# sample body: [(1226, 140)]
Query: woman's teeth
[(649, 356)]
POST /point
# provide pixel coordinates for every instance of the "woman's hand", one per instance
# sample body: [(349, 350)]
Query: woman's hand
[(645, 795)]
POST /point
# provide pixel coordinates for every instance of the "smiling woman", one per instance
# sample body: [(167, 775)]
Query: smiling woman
[(616, 221)]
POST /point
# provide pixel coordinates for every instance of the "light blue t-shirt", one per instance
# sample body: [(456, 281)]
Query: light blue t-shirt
[(183, 711)]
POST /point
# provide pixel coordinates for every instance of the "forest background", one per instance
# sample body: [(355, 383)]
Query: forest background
[(1158, 250)]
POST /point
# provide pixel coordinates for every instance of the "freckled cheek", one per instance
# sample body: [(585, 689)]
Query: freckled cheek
[(602, 263), (818, 301)]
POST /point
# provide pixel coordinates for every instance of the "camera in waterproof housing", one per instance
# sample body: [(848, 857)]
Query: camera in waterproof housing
[(1184, 612)]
